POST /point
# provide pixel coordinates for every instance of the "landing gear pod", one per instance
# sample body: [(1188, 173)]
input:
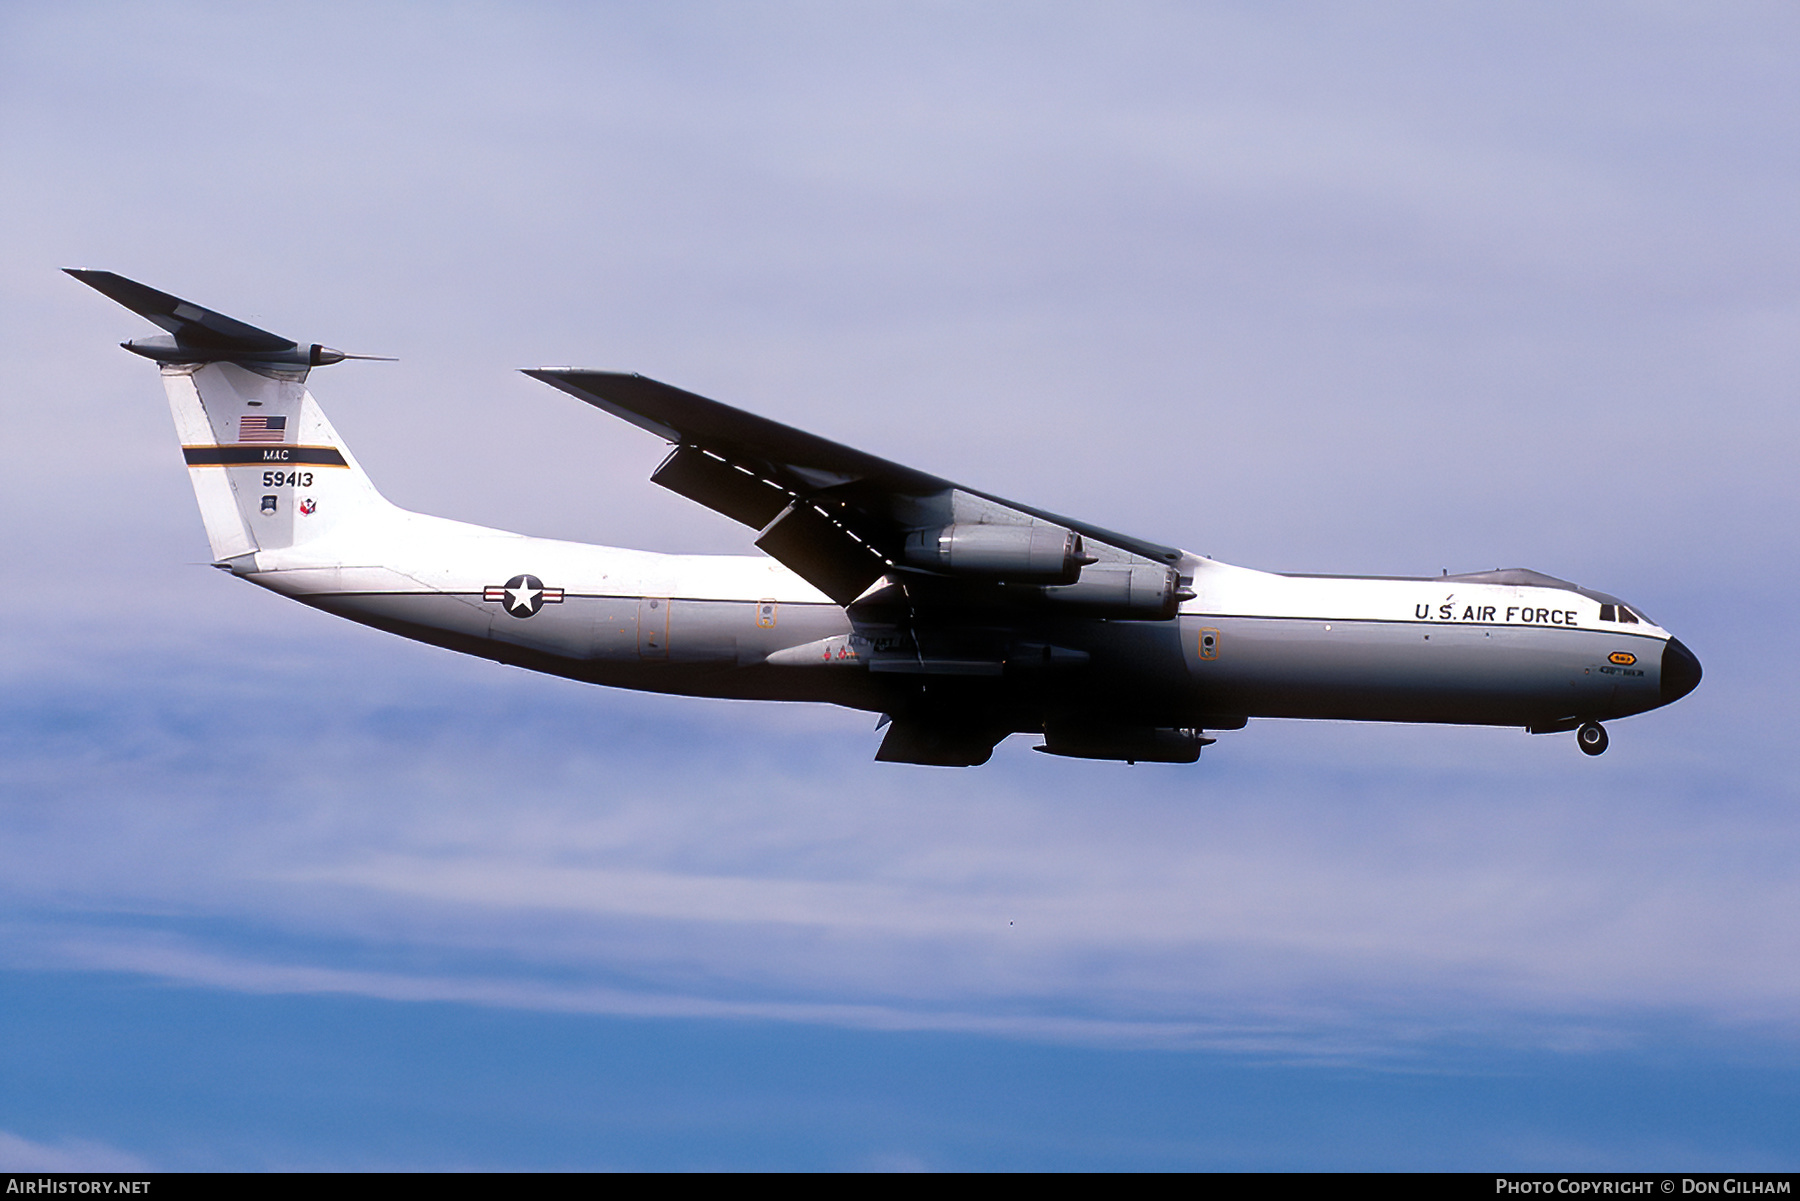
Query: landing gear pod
[(1129, 743), (1591, 738)]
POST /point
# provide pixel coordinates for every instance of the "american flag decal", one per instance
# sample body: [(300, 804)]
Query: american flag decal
[(257, 427)]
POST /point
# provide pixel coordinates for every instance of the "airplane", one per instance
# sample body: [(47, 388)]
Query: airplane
[(960, 617)]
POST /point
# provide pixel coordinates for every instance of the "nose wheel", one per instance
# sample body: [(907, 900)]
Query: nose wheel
[(1591, 738)]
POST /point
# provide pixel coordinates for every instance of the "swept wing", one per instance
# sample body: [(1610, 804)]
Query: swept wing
[(842, 518)]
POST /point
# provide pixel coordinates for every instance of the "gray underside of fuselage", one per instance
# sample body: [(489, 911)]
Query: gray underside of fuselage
[(689, 647), (1420, 672), (1205, 671)]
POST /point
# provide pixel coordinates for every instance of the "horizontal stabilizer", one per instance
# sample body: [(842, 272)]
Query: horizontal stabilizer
[(199, 335), (191, 324)]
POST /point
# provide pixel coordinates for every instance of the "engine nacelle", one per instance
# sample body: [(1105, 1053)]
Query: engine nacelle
[(1128, 590), (1022, 554)]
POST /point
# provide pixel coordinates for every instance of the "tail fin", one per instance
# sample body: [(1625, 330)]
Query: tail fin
[(267, 468)]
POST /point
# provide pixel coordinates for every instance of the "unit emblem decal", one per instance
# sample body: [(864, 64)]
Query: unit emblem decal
[(308, 507), (523, 595), (1623, 658)]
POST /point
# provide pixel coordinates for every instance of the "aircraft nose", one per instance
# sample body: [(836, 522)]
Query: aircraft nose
[(1680, 671)]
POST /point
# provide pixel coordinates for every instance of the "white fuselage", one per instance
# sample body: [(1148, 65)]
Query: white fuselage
[(1248, 644)]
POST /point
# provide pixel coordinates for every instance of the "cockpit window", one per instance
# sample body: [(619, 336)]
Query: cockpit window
[(1621, 614)]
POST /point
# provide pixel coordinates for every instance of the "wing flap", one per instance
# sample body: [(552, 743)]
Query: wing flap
[(822, 552), (741, 495)]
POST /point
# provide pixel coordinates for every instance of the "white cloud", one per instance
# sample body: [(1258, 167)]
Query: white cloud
[(1319, 888), (177, 962), (70, 1155)]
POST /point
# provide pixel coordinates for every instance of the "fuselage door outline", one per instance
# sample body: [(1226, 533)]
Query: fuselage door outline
[(653, 627)]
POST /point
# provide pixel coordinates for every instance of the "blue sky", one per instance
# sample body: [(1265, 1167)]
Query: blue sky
[(1388, 290)]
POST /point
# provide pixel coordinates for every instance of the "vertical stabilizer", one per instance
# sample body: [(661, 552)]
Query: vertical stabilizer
[(267, 468)]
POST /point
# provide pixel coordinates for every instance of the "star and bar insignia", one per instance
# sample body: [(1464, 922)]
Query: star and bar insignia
[(523, 595)]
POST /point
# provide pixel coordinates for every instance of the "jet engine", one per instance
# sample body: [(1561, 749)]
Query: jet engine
[(1128, 590), (1021, 554)]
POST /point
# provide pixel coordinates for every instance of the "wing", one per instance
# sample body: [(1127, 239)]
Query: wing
[(843, 519)]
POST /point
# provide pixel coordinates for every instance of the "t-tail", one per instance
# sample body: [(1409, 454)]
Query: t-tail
[(268, 469)]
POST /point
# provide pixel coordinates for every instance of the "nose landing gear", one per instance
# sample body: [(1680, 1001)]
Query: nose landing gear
[(1591, 738)]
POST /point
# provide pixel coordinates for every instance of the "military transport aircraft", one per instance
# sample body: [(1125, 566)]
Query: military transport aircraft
[(959, 617)]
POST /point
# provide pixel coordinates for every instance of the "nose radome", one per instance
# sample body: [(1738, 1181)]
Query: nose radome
[(1680, 671)]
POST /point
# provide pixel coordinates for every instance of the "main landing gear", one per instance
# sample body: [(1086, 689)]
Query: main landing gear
[(1591, 738)]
